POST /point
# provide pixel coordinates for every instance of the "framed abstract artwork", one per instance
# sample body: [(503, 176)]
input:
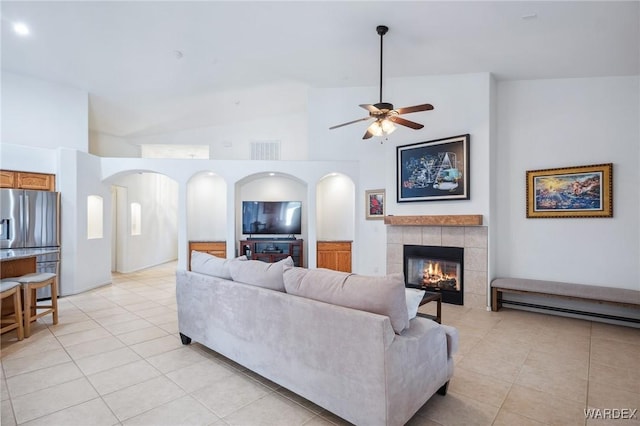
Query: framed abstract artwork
[(582, 191), (433, 171)]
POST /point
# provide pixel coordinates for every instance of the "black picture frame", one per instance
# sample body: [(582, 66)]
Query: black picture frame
[(436, 170)]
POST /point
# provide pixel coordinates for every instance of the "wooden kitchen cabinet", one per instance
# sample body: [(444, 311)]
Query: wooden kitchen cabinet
[(27, 180), (334, 255), (7, 179), (214, 248), (41, 181)]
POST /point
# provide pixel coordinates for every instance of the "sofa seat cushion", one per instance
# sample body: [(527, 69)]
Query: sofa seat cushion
[(204, 263), (261, 274), (383, 295)]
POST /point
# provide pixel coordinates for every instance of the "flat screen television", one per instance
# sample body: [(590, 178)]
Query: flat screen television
[(271, 217)]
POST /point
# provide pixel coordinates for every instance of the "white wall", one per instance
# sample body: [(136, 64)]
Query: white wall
[(42, 114), (28, 159), (90, 272), (335, 201), (104, 145), (233, 141), (207, 207), (560, 123)]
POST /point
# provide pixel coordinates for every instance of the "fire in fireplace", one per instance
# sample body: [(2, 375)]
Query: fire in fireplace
[(435, 268)]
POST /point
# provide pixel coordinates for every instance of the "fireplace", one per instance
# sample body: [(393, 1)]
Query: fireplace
[(435, 268)]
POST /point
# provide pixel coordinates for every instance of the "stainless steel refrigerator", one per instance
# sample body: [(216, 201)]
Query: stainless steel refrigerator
[(31, 219)]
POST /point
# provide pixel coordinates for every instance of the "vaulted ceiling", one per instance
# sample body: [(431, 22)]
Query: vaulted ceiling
[(156, 66)]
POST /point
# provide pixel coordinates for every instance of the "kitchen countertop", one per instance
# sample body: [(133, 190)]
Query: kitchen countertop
[(11, 254)]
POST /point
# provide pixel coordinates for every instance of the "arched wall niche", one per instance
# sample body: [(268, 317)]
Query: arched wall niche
[(335, 208), (206, 207), (272, 186)]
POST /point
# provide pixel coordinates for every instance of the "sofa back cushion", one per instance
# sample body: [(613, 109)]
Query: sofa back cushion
[(261, 274), (204, 263), (384, 295)]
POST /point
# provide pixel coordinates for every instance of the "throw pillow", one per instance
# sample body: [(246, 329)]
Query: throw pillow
[(382, 295), (261, 274), (207, 264), (414, 297)]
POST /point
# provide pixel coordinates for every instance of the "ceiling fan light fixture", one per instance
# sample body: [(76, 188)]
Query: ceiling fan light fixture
[(382, 127), (385, 116)]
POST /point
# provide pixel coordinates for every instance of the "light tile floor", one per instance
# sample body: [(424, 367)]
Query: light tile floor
[(115, 358)]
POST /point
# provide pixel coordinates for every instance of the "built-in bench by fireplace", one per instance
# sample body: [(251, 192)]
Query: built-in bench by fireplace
[(435, 268)]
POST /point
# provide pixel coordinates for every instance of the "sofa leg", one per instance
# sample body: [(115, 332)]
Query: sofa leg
[(443, 389), (185, 339)]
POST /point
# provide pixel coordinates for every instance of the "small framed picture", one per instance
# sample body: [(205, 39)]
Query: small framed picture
[(582, 191), (375, 203)]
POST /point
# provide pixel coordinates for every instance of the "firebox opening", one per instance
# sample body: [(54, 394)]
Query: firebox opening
[(434, 268)]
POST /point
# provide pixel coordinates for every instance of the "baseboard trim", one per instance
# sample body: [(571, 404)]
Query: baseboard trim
[(571, 311)]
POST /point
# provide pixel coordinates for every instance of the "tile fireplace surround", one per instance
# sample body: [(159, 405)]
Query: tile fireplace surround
[(474, 240)]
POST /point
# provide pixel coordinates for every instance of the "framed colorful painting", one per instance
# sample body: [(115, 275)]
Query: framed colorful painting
[(583, 191), (434, 171), (375, 203)]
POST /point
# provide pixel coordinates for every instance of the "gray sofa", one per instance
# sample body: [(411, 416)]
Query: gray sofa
[(348, 361)]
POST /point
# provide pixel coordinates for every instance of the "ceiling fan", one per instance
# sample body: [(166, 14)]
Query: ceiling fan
[(383, 112)]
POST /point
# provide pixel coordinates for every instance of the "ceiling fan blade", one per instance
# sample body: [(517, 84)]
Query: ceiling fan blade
[(371, 108), (401, 121), (416, 108), (350, 122)]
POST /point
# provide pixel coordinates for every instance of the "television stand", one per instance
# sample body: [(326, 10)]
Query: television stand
[(290, 238), (271, 250)]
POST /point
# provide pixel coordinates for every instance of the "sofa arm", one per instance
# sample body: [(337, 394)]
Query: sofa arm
[(452, 339)]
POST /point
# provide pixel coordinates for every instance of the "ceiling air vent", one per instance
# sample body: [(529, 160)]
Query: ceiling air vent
[(265, 150)]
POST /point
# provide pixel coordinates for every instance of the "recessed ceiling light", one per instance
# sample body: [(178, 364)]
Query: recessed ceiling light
[(21, 28), (272, 174)]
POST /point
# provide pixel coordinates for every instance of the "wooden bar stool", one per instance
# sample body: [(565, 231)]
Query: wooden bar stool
[(11, 288), (31, 283)]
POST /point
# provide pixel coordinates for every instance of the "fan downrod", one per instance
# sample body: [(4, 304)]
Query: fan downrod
[(381, 30)]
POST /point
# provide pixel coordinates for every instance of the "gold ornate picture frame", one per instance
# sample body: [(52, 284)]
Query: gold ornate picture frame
[(570, 192)]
